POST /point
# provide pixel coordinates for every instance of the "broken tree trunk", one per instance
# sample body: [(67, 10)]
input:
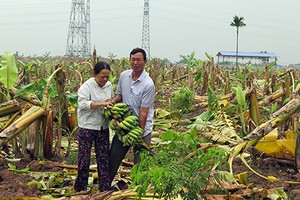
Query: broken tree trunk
[(30, 116), (9, 107), (281, 115), (48, 136), (62, 106), (28, 97), (267, 100)]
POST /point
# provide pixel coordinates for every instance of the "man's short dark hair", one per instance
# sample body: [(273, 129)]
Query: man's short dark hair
[(137, 50)]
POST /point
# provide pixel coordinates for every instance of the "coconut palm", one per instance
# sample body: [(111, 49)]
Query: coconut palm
[(237, 22)]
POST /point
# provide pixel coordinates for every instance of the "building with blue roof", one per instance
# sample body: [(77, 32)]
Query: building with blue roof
[(263, 57)]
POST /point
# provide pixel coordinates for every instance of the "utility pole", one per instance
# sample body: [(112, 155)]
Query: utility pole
[(78, 42), (146, 29)]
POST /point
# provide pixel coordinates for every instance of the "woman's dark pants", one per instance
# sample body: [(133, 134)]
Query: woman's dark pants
[(86, 137)]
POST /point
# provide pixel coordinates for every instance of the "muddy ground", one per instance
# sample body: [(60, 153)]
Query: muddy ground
[(13, 185)]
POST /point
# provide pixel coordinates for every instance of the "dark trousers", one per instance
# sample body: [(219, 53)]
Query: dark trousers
[(118, 153), (86, 137)]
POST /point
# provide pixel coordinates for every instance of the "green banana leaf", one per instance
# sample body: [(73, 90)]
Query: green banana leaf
[(8, 70), (240, 96)]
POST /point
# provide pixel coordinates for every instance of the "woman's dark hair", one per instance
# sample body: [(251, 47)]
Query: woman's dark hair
[(137, 50), (100, 66)]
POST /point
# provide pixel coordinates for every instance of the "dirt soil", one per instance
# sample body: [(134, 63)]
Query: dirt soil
[(267, 166), (14, 185)]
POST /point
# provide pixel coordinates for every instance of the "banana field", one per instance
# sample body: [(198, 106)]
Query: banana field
[(219, 132)]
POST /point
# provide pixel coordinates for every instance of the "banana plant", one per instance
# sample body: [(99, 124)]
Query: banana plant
[(241, 105), (8, 77), (8, 72), (190, 60)]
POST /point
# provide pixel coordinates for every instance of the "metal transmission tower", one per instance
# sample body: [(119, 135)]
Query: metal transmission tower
[(146, 29), (88, 26), (78, 43)]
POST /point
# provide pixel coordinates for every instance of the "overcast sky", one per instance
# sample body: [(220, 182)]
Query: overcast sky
[(177, 27)]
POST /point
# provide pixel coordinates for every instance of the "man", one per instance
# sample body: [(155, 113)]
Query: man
[(137, 90)]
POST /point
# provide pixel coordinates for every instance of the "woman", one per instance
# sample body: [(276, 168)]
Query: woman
[(93, 95)]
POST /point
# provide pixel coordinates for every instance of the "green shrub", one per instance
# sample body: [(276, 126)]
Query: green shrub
[(180, 167), (182, 101)]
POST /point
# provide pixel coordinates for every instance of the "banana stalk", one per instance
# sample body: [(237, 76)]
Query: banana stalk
[(292, 182), (11, 120), (213, 77), (281, 115), (73, 117), (48, 136), (272, 97), (70, 138), (284, 74), (59, 139), (267, 80), (273, 83), (28, 97), (269, 178), (130, 194), (292, 81), (22, 123), (9, 107), (62, 101), (238, 149), (205, 81), (287, 85), (297, 152), (95, 58), (46, 97), (15, 146), (24, 140), (226, 81), (253, 108), (39, 138)]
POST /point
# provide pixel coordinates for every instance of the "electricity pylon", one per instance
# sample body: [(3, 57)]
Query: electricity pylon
[(78, 42), (146, 29)]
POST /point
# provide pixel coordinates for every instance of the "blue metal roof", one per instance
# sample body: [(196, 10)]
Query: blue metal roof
[(262, 54)]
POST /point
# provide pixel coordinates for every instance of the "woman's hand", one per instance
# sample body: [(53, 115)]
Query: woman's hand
[(113, 100), (109, 102)]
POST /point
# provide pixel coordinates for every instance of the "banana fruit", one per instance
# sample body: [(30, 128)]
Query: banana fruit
[(133, 137), (123, 123), (119, 110)]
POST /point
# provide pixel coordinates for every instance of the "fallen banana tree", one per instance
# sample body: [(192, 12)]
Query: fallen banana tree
[(21, 124), (42, 114), (281, 115), (260, 131), (9, 107)]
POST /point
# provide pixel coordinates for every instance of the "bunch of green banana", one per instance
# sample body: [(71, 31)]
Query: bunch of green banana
[(119, 110), (114, 124), (129, 122), (133, 137), (106, 112), (123, 123)]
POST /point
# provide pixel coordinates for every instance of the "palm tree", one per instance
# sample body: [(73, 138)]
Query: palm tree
[(237, 22)]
